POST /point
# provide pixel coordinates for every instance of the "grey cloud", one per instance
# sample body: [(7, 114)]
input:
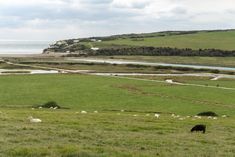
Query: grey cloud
[(101, 17)]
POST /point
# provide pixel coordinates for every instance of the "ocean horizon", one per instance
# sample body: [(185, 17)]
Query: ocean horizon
[(23, 46)]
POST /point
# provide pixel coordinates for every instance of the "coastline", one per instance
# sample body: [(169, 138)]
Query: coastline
[(14, 55)]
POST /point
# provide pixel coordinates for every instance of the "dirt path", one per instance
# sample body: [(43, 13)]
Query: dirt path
[(172, 82)]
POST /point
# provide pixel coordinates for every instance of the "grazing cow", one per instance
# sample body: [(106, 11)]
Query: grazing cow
[(199, 128)]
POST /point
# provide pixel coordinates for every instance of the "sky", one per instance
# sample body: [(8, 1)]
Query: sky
[(64, 19)]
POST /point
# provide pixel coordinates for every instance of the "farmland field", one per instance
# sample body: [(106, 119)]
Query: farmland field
[(110, 132)]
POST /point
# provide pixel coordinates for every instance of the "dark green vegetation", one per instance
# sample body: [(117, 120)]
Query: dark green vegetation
[(208, 113), (107, 133), (191, 43), (50, 104)]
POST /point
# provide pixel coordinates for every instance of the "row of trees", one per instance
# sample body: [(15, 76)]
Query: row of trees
[(163, 51)]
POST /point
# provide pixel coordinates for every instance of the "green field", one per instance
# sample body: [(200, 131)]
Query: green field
[(223, 40), (105, 93), (111, 132)]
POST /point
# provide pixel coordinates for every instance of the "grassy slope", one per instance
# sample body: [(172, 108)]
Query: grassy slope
[(203, 40), (65, 133)]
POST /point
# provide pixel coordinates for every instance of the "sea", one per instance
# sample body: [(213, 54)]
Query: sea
[(23, 46)]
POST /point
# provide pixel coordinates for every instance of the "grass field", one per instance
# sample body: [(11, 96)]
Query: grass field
[(100, 93), (203, 40), (67, 133)]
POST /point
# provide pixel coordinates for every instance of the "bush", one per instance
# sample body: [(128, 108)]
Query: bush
[(51, 104), (209, 113)]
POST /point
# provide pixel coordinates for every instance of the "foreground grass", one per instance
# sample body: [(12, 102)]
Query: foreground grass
[(108, 133), (67, 133)]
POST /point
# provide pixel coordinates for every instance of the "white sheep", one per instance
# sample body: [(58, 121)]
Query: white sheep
[(34, 120), (224, 116), (156, 115), (83, 112), (215, 118), (169, 81), (147, 115), (95, 111), (199, 117), (122, 110), (135, 115), (55, 108)]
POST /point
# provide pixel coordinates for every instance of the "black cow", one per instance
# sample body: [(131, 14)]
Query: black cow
[(199, 127)]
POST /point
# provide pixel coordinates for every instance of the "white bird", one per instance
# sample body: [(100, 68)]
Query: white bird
[(34, 120), (157, 115), (83, 112)]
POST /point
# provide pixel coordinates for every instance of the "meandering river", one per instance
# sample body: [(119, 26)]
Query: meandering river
[(113, 61)]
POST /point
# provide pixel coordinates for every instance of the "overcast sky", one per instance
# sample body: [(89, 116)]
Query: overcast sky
[(60, 19)]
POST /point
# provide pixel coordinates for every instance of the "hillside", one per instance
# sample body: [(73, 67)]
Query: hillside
[(182, 43)]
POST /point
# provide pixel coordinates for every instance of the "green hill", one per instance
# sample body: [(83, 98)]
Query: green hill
[(171, 43), (224, 40)]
